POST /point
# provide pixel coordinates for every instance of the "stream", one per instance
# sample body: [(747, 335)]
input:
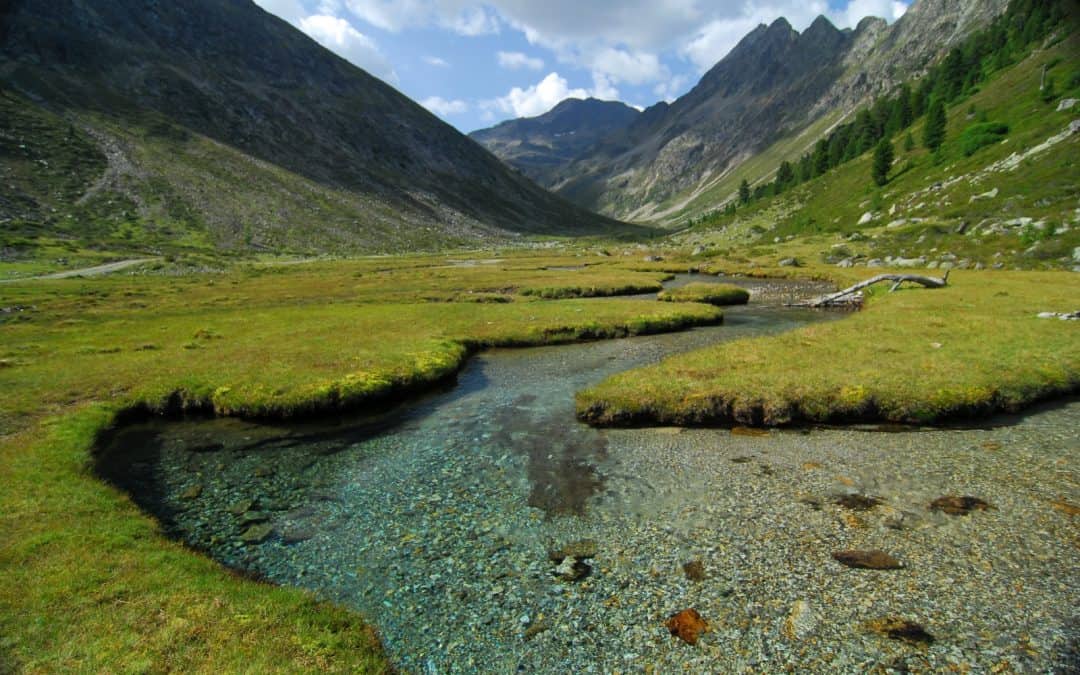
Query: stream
[(443, 522)]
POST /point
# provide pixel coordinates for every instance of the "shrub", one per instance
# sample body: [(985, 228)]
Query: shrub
[(981, 135)]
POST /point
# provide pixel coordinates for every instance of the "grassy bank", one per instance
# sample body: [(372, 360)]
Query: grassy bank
[(712, 294), (87, 583), (916, 355)]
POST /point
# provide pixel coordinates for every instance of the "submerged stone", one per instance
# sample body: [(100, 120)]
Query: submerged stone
[(192, 492), (584, 548), (256, 534), (800, 622), (749, 431), (857, 502), (959, 506), (250, 517), (901, 629), (571, 569), (694, 570), (242, 506), (687, 625), (867, 560)]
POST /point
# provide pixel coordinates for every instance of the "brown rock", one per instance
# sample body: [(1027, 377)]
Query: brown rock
[(192, 492), (585, 548), (694, 570), (749, 431), (867, 560), (687, 625), (901, 629), (958, 506), (1066, 507), (857, 502)]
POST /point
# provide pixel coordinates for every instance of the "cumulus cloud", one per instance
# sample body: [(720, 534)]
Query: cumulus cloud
[(518, 61), (290, 10), (338, 35), (443, 108), (620, 65), (436, 61), (890, 10), (464, 17), (538, 98)]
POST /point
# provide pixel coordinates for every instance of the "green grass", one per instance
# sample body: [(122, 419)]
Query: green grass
[(711, 294), (87, 583), (917, 355)]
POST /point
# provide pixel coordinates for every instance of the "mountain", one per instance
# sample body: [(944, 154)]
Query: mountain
[(213, 121), (775, 83), (538, 146)]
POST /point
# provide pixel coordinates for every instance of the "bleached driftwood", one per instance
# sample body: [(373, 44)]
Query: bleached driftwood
[(846, 296)]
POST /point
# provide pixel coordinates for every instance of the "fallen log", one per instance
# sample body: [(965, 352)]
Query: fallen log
[(848, 295)]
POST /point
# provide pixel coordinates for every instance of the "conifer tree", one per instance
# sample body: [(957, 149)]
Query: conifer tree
[(744, 191), (934, 132), (883, 159)]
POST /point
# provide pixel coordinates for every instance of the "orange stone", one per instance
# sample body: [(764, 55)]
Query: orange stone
[(749, 431), (688, 626)]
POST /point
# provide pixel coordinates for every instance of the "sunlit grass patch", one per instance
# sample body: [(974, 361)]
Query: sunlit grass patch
[(973, 348), (712, 294)]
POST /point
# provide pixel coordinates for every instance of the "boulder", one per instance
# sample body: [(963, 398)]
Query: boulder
[(984, 196), (1067, 104), (866, 218)]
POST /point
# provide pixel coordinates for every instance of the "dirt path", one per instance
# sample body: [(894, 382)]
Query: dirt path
[(87, 271)]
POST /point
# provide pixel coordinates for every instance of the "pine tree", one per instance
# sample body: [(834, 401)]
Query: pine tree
[(909, 142), (821, 157), (744, 192), (785, 175), (883, 159), (934, 132)]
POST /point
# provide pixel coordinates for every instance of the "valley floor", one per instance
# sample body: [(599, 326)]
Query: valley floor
[(89, 583)]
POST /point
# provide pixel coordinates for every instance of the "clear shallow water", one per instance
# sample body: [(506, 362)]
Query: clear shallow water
[(435, 521)]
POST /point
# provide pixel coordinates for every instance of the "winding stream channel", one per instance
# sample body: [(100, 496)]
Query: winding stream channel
[(437, 520)]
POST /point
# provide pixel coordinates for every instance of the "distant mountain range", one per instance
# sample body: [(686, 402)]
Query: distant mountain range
[(539, 146), (212, 121), (775, 83)]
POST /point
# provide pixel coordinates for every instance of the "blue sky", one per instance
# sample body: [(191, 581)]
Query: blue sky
[(477, 63)]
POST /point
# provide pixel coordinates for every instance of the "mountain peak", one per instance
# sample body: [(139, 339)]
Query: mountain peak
[(781, 24)]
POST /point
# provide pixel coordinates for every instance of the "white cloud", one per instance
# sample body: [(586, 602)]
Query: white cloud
[(538, 98), (436, 61), (890, 10), (440, 106), (671, 89), (619, 65), (517, 61), (473, 21), (290, 10), (603, 88), (464, 17), (338, 35)]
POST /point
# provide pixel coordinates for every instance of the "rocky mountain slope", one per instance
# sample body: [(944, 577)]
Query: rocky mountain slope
[(539, 146), (212, 122), (775, 83)]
